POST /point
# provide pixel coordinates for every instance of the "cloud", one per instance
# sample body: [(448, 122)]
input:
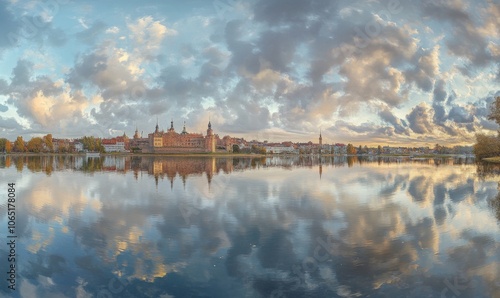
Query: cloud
[(465, 38), (148, 34), (439, 91), (426, 67), (419, 119), (9, 124), (297, 65), (113, 30), (387, 116), (48, 106), (460, 115)]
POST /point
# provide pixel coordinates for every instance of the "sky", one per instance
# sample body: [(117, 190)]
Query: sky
[(394, 72)]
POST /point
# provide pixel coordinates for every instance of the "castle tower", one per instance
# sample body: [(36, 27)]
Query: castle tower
[(209, 130), (136, 134), (184, 129), (210, 139), (171, 125)]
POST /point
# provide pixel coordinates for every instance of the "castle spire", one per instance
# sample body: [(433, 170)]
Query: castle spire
[(136, 135), (184, 128)]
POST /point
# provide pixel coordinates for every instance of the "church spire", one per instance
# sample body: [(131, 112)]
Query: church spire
[(157, 130), (171, 124)]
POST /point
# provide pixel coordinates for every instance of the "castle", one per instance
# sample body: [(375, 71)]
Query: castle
[(174, 142)]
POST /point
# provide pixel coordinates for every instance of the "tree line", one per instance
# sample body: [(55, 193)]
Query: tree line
[(46, 144), (488, 145)]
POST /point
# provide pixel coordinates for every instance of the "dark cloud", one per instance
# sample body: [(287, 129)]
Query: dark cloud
[(10, 124), (397, 123), (22, 73), (243, 58), (451, 98), (439, 91), (460, 115), (464, 38), (419, 119), (277, 49), (426, 66), (439, 114)]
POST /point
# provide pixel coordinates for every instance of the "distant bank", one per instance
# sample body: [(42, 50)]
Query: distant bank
[(230, 154)]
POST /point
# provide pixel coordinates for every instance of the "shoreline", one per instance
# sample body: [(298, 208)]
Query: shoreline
[(140, 154), (247, 155), (495, 159)]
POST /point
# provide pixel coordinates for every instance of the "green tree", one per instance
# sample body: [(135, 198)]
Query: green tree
[(19, 145), (379, 150), (92, 144), (3, 143), (236, 148)]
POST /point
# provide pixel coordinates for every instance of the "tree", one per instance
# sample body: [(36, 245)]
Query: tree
[(47, 140), (92, 144), (35, 145), (379, 150), (495, 111), (3, 143), (236, 148), (8, 146), (19, 145), (486, 146), (350, 149), (438, 149)]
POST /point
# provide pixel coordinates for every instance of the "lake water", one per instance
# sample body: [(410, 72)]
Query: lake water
[(242, 227)]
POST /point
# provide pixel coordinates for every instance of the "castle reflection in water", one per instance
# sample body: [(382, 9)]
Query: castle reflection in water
[(183, 167)]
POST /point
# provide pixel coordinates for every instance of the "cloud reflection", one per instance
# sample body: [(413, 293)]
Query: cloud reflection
[(236, 227)]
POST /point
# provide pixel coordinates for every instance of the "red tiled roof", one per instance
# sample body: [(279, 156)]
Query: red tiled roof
[(109, 141)]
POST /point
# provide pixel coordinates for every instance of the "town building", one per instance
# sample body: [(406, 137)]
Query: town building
[(78, 146), (278, 149), (171, 141), (118, 144)]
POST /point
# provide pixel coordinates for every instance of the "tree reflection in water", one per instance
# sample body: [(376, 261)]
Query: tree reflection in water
[(489, 170)]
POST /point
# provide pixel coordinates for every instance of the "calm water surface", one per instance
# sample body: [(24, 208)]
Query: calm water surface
[(241, 227)]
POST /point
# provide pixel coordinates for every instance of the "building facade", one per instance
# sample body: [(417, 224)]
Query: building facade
[(171, 141), (118, 144)]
